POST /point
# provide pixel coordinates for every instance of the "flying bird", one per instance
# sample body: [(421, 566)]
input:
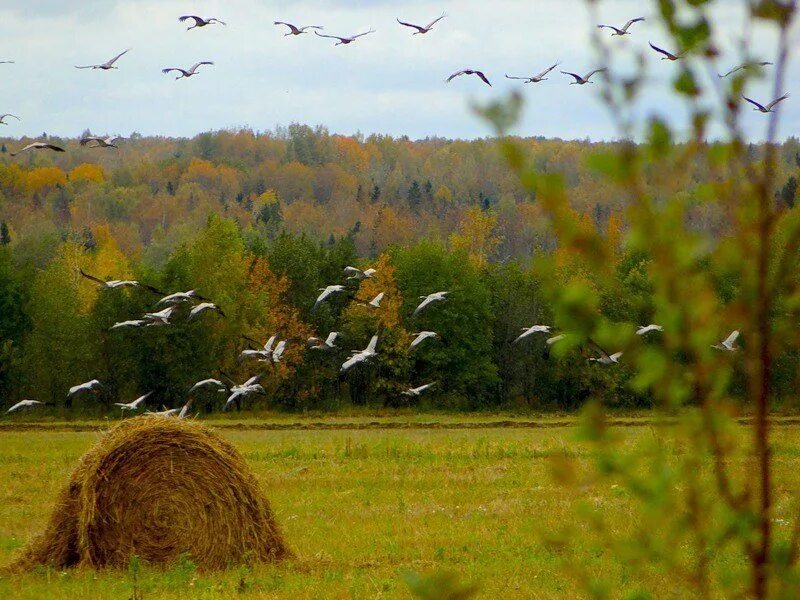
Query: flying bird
[(114, 284), (187, 73), (359, 356), (768, 108), (132, 324), (2, 118), (536, 78), (555, 339), (106, 65), (375, 302), (528, 331), (89, 386), (326, 293), (179, 297), (208, 383), (645, 329), (294, 30), (264, 355), (329, 343), (205, 307), (38, 146), (421, 337), (667, 55), (354, 273), (24, 405), (607, 359), (624, 29), (100, 142), (135, 405), (277, 354), (200, 21), (470, 72), (749, 65), (585, 79), (729, 343), (429, 299), (419, 28), (161, 317), (248, 388), (344, 40), (166, 412), (416, 392), (6, 62)]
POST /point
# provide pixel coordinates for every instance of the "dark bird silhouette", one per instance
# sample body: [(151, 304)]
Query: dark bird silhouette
[(200, 21), (582, 80), (666, 55), (38, 146), (344, 40), (419, 28), (768, 108), (470, 72), (189, 72)]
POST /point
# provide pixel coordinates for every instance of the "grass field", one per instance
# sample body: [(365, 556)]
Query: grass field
[(364, 507)]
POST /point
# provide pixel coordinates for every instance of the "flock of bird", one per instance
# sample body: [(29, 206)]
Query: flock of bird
[(272, 351), (192, 305), (296, 30)]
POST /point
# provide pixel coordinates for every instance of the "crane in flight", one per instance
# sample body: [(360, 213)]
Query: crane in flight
[(421, 29), (200, 21), (535, 78), (106, 66), (343, 41), (294, 30), (622, 30)]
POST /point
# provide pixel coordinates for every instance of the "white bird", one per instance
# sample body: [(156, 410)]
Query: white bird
[(624, 29), (584, 79), (179, 297), (354, 273), (729, 343), (329, 343), (362, 355), (606, 359), (645, 329), (166, 412), (417, 391), (421, 337), (185, 409), (527, 331), (375, 302), (666, 55), (185, 72), (749, 65), (106, 65), (113, 284), (3, 116), (326, 293), (200, 21), (89, 386), (135, 405), (344, 40), (264, 355), (419, 28), (554, 339), (128, 324), (203, 307), (277, 354), (479, 74), (100, 142), (768, 108), (24, 405), (161, 317), (294, 30), (248, 388), (38, 146), (429, 299), (535, 78), (208, 383)]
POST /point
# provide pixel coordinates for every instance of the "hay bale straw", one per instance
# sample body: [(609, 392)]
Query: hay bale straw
[(159, 488)]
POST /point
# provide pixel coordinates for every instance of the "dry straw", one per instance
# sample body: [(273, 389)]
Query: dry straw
[(159, 488)]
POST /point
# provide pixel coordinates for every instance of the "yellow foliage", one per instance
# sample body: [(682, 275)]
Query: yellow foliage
[(88, 172), (42, 178), (476, 236)]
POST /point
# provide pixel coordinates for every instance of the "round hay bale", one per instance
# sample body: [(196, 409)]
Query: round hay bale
[(159, 488)]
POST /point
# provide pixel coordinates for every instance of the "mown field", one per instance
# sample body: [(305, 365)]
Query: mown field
[(362, 508)]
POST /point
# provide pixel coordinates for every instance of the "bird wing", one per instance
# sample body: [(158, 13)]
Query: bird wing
[(417, 27), (117, 57), (321, 298), (91, 277), (577, 77), (662, 51), (454, 75), (774, 102), (197, 20), (333, 37), (546, 71), (753, 102), (731, 72), (168, 69), (620, 31), (525, 78), (631, 22), (216, 20), (52, 147), (289, 25), (10, 115), (423, 304), (362, 34), (331, 338), (86, 140), (434, 22), (731, 338), (373, 344), (589, 74), (352, 271), (202, 62), (615, 356), (483, 78)]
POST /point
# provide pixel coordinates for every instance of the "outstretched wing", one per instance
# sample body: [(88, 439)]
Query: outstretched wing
[(661, 51), (546, 71), (435, 21), (117, 57), (454, 75), (483, 78), (91, 277), (577, 77), (620, 31), (9, 115), (754, 103), (631, 22), (167, 70), (731, 338), (202, 62), (293, 28), (333, 37), (197, 20), (774, 102), (417, 27), (361, 34), (588, 75)]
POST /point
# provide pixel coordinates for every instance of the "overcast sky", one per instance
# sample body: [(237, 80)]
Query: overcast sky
[(389, 82)]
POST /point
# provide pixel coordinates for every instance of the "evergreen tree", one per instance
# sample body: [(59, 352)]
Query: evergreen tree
[(5, 237), (414, 196), (375, 194)]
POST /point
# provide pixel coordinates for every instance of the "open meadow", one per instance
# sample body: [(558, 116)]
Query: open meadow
[(364, 507)]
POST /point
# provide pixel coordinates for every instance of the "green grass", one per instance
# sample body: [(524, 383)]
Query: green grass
[(363, 508)]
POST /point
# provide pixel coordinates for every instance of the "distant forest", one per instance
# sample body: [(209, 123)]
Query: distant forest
[(259, 222)]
